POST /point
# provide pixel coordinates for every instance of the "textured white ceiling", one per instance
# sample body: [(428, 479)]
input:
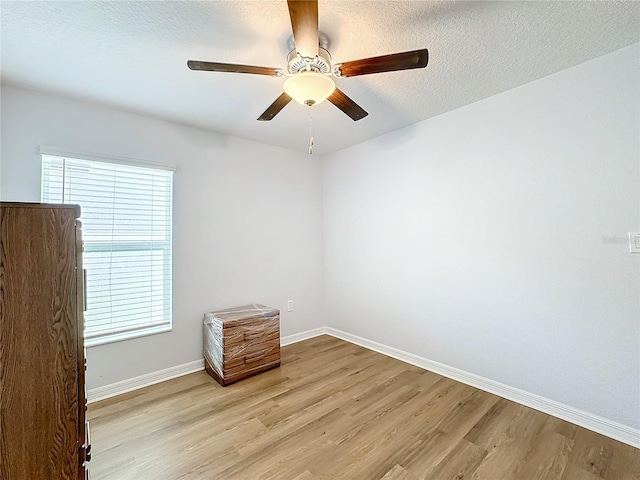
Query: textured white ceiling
[(133, 55)]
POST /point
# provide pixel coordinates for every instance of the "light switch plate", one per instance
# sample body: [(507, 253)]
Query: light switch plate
[(634, 242)]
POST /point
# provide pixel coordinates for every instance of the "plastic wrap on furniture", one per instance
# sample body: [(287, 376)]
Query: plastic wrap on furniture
[(240, 342)]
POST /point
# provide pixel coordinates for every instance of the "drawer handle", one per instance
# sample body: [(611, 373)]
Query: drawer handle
[(84, 289), (88, 442), (255, 357)]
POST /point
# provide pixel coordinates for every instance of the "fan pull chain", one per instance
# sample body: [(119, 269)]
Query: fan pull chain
[(310, 135)]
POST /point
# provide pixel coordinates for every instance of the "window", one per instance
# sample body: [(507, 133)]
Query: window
[(126, 223)]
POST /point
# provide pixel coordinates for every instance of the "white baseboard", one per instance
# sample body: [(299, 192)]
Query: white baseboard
[(611, 429), (298, 337), (598, 424), (118, 388)]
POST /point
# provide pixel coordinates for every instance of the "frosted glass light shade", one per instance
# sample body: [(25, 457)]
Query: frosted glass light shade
[(309, 88)]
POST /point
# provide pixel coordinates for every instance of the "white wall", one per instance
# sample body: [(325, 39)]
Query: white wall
[(475, 238), (247, 218)]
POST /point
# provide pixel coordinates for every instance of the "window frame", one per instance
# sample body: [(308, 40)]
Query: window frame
[(124, 333)]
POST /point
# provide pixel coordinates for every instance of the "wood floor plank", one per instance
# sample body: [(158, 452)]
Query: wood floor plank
[(306, 475), (460, 463), (603, 458), (442, 435), (560, 426), (510, 450), (573, 472), (398, 473), (371, 446), (333, 411), (625, 464), (493, 424), (547, 457)]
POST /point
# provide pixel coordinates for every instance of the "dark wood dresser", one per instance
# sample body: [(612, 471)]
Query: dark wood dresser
[(240, 342), (42, 362)]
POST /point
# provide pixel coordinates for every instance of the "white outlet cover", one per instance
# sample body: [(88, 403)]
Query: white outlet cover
[(634, 242)]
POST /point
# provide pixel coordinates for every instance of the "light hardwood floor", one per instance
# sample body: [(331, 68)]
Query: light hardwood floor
[(334, 410)]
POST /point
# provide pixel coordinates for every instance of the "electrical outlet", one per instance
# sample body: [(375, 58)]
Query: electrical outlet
[(289, 305), (634, 242)]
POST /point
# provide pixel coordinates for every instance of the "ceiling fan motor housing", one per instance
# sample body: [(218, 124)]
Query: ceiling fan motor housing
[(321, 63)]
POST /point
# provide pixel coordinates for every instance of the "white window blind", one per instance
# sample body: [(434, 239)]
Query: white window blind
[(126, 223)]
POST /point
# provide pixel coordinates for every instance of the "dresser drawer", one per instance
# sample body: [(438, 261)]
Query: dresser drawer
[(253, 354), (253, 333)]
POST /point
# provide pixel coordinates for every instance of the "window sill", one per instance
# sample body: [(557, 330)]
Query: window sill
[(120, 337)]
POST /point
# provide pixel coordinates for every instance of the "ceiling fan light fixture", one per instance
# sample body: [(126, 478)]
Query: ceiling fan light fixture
[(309, 88)]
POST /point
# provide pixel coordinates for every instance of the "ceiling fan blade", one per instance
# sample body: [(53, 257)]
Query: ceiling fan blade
[(304, 22), (275, 108), (385, 63), (348, 106), (233, 68)]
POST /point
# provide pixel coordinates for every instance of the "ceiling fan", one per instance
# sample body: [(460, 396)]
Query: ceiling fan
[(309, 68)]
